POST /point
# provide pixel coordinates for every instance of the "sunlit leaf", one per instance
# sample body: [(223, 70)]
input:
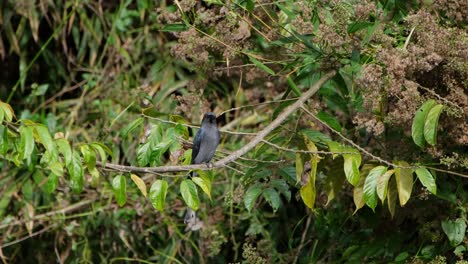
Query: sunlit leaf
[(382, 185), (427, 180), (251, 196), (46, 139), (417, 129), (56, 168), (27, 141), (157, 194), (370, 186), (272, 197), (89, 156), (189, 192), (8, 112), (358, 193), (334, 147), (119, 185), (351, 165), (75, 169), (204, 184), (64, 149), (431, 124), (404, 181), (139, 183)]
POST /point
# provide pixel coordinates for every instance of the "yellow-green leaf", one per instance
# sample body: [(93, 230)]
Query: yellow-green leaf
[(158, 193), (358, 193), (27, 141), (417, 129), (119, 185), (299, 167), (351, 165), (427, 180), (370, 186), (382, 185), (190, 194), (431, 124), (204, 184), (404, 181), (139, 183), (65, 149), (46, 139), (392, 196)]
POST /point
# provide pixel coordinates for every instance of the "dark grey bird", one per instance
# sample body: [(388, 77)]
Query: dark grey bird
[(204, 147)]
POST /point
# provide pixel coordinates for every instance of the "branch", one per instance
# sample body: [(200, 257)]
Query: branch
[(236, 154)]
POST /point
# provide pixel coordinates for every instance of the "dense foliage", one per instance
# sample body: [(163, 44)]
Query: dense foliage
[(94, 95)]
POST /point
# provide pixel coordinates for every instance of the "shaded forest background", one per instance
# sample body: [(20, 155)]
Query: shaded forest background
[(127, 82)]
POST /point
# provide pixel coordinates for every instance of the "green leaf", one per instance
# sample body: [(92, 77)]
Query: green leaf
[(130, 127), (356, 26), (75, 169), (455, 230), (417, 129), (370, 186), (281, 186), (392, 196), (293, 86), (335, 147), (334, 180), (204, 184), (431, 124), (65, 149), (46, 139), (89, 156), (94, 177), (404, 182), (52, 182), (190, 194), (174, 27), (119, 185), (158, 193), (8, 112), (27, 142), (299, 167), (329, 120), (139, 183), (56, 168), (351, 165), (103, 151), (358, 193), (261, 65), (251, 196), (3, 139), (427, 180), (382, 185), (273, 198)]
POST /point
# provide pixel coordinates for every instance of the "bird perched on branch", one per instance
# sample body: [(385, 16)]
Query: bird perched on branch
[(204, 147)]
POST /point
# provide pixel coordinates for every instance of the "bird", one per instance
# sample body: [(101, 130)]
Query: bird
[(204, 147)]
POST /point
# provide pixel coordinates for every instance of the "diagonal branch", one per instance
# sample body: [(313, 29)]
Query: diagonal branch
[(260, 136)]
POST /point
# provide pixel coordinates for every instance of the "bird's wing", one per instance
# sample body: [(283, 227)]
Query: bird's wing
[(196, 144)]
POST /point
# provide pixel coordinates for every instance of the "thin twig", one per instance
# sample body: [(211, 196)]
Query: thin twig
[(303, 237), (238, 153)]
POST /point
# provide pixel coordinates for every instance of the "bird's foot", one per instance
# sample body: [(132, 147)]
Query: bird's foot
[(209, 165)]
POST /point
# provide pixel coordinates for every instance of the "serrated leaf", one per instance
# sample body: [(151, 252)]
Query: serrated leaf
[(65, 149), (392, 194), (27, 142), (351, 165), (281, 186), (158, 193), (139, 183), (417, 128), (251, 196), (130, 127), (427, 180), (358, 192), (46, 139), (455, 230), (75, 169), (261, 65), (431, 124), (329, 120), (204, 184), (190, 194), (404, 181), (119, 185), (382, 185), (370, 186), (272, 197)]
